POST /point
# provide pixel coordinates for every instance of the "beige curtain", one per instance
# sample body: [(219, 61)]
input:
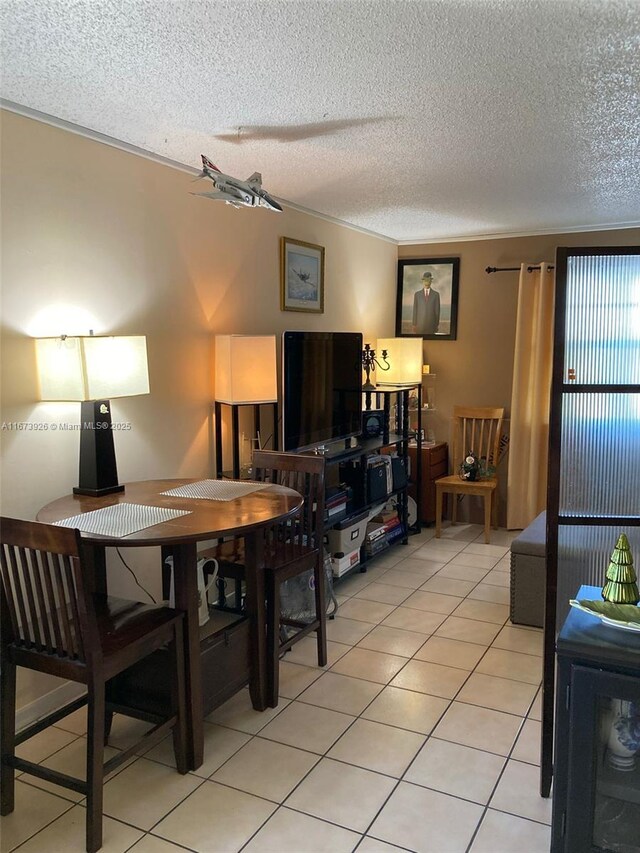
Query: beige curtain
[(527, 478)]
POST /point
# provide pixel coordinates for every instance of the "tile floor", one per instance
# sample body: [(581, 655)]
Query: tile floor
[(421, 734)]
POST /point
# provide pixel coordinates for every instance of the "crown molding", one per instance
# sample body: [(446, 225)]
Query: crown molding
[(103, 138)]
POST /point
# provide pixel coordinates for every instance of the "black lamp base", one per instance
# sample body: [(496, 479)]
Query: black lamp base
[(97, 493), (98, 471)]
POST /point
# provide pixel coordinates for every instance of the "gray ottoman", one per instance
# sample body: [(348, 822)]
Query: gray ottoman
[(528, 574)]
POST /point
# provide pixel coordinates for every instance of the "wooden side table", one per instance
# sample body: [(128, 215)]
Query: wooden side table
[(434, 464)]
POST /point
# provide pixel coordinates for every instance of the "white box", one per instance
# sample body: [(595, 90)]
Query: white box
[(340, 565)]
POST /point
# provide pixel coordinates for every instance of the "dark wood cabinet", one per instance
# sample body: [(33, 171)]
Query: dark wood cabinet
[(434, 464), (596, 787)]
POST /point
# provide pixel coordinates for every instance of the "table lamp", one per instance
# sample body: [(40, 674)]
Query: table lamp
[(405, 360), (92, 370), (245, 374)]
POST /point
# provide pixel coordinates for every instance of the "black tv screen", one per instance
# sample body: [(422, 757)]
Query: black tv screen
[(322, 387)]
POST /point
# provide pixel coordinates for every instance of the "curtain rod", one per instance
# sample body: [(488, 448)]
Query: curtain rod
[(489, 270)]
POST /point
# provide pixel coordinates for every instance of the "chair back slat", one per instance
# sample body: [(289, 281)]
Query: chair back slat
[(42, 589), (36, 573), (304, 474), (477, 430)]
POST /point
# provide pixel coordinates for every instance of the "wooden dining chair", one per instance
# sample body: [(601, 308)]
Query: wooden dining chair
[(291, 548), (475, 430), (52, 622)]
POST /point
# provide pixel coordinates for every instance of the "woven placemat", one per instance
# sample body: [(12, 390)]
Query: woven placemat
[(120, 519), (216, 490)]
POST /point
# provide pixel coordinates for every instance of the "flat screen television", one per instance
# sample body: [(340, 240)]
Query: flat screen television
[(322, 387)]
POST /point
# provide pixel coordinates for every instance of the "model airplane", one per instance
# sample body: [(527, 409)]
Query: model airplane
[(303, 276), (235, 192)]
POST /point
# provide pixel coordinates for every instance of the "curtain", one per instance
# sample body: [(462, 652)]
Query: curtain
[(530, 397)]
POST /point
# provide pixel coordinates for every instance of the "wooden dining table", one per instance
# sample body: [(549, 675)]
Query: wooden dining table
[(245, 516)]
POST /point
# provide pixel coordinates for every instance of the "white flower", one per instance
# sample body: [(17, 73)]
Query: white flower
[(470, 460)]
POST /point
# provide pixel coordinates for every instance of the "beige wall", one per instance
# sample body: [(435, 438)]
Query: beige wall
[(94, 237)]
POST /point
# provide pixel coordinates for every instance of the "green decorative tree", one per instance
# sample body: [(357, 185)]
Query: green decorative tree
[(621, 586)]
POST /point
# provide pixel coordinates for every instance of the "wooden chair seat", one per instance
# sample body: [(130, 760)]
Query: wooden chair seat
[(51, 622), (477, 430)]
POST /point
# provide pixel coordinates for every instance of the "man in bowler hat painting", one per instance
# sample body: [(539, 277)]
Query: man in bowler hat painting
[(426, 308)]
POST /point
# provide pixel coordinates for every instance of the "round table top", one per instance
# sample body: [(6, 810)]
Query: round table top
[(207, 519)]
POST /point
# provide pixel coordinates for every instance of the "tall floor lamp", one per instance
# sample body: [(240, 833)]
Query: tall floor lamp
[(245, 375), (92, 370)]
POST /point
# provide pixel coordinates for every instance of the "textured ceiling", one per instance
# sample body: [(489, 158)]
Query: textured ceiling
[(415, 120)]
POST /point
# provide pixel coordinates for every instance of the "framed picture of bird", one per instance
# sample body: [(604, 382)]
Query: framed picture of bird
[(427, 303), (301, 276)]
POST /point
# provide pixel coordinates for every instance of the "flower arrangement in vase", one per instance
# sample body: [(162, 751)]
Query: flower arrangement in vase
[(473, 467)]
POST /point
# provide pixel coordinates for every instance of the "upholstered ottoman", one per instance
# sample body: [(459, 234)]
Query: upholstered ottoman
[(528, 574)]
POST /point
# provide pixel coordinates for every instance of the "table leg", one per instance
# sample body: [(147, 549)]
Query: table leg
[(255, 606), (96, 564), (186, 595)]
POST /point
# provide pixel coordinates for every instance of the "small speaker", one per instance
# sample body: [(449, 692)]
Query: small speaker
[(372, 423)]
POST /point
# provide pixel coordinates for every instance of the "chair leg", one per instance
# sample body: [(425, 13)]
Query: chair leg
[(7, 735), (273, 638), (179, 695), (95, 763), (108, 722), (454, 508), (438, 511), (321, 611), (494, 509), (487, 517)]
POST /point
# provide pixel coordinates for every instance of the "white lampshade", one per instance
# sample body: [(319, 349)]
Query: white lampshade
[(405, 357), (92, 368), (246, 369)]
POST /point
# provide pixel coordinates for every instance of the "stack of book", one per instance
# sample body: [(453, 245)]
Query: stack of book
[(335, 504), (380, 534)]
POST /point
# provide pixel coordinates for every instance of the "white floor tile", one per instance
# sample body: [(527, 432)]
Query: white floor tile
[(342, 794), (68, 833), (483, 611), (468, 630), (294, 678), (347, 631), (503, 833), (33, 810), (395, 577), (498, 578), (448, 586), (341, 693), (409, 619), (385, 593), (426, 821), (265, 768), (433, 602), (457, 770), (527, 746), (407, 709), (286, 831), (480, 728), (518, 793), (44, 744), (145, 791), (370, 665), (365, 611), (152, 844), (512, 665), (501, 694), (490, 592), (215, 815), (305, 652), (220, 743), (394, 641), (431, 678), (238, 713), (377, 747), (307, 727), (514, 639), (451, 652)]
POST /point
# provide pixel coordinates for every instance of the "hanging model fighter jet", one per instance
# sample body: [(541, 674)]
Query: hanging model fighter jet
[(233, 191)]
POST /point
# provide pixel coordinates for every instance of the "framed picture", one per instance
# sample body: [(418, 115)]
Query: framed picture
[(427, 303), (301, 276)]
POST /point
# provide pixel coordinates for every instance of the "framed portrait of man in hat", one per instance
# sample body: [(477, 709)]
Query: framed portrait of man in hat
[(427, 302)]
